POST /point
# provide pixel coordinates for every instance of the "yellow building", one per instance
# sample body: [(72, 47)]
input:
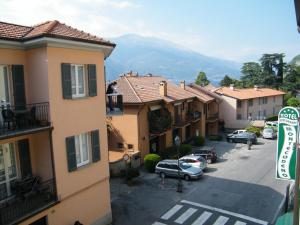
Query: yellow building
[(53, 136), (155, 111)]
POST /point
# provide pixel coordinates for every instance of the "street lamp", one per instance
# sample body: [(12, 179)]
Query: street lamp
[(177, 144)]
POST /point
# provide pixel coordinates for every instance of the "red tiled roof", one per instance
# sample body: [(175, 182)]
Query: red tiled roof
[(199, 94), (141, 89), (53, 29), (248, 93)]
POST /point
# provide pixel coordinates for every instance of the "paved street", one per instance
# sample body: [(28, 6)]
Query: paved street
[(242, 183)]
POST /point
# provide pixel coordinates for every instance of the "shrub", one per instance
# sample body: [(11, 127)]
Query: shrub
[(294, 102), (255, 130), (150, 162), (185, 149), (272, 118), (198, 141), (215, 137)]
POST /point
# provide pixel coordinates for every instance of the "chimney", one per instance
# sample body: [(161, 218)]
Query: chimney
[(163, 88), (256, 87), (182, 84), (232, 87)]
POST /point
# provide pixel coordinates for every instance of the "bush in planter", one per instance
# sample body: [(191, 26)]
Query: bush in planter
[(198, 141), (215, 137), (185, 149), (255, 130), (150, 162)]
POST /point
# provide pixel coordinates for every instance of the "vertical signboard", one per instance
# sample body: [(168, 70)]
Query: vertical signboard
[(286, 143)]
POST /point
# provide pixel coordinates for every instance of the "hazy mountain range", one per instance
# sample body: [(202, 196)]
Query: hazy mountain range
[(159, 57)]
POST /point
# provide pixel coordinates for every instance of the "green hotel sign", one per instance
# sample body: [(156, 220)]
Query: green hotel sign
[(286, 144)]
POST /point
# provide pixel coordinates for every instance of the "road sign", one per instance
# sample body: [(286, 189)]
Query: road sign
[(286, 144)]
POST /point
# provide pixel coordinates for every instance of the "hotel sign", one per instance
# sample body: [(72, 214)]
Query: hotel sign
[(286, 144)]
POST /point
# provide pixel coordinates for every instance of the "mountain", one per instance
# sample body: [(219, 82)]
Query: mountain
[(159, 57)]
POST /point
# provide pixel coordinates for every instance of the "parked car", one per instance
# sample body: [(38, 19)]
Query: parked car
[(194, 160), (208, 153), (170, 168), (236, 132), (269, 133), (272, 123), (243, 138)]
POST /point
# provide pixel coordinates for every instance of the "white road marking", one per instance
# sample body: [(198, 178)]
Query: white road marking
[(239, 223), (184, 216), (171, 212), (221, 220), (202, 219), (226, 212), (158, 223)]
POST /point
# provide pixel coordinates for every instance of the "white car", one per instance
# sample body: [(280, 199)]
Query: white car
[(195, 160), (269, 133), (272, 123)]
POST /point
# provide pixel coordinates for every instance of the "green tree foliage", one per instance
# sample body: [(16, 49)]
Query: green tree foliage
[(294, 102), (202, 79), (252, 74), (226, 81)]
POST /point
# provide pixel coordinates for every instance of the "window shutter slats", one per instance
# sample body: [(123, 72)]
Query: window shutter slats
[(71, 153), (24, 156), (96, 156), (18, 86), (92, 79), (66, 80)]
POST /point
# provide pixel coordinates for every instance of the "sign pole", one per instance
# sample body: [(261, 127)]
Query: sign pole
[(296, 198)]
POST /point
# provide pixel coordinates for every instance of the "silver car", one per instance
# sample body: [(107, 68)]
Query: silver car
[(194, 160), (170, 168), (269, 133)]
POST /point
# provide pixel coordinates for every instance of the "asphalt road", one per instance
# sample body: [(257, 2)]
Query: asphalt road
[(239, 189)]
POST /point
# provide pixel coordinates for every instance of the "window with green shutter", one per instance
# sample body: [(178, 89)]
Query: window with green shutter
[(24, 157), (95, 141), (92, 80), (66, 80), (71, 153)]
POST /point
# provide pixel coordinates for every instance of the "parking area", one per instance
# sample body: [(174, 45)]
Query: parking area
[(242, 181)]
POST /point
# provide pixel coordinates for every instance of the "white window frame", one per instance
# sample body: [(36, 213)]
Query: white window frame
[(79, 149), (77, 95)]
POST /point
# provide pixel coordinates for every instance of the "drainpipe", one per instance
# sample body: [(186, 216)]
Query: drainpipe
[(52, 161), (138, 127)]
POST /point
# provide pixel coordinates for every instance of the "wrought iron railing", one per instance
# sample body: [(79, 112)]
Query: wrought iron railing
[(19, 207), (23, 117), (179, 121), (212, 116), (114, 104), (193, 116)]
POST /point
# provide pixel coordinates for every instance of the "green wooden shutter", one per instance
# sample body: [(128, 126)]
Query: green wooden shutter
[(92, 78), (95, 146), (24, 156), (66, 80), (18, 86), (71, 153)]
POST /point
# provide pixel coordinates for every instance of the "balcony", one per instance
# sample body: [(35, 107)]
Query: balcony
[(212, 117), (158, 124), (179, 121), (31, 196), (193, 116), (23, 119), (114, 104)]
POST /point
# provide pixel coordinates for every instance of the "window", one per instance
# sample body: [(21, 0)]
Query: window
[(239, 116), (250, 102), (130, 146), (82, 148), (120, 145), (239, 103), (265, 112), (78, 81)]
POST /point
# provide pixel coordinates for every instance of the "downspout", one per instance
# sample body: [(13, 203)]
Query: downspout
[(53, 163), (138, 127)]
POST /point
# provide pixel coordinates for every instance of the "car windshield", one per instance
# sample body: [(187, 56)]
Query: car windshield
[(184, 165)]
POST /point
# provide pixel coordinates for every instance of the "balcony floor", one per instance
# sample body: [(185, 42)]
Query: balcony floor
[(8, 133)]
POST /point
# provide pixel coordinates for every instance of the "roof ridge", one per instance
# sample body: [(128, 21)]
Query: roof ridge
[(52, 25), (130, 85), (16, 24)]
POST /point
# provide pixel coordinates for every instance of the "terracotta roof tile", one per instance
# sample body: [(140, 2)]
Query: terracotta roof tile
[(199, 94), (248, 93), (48, 29)]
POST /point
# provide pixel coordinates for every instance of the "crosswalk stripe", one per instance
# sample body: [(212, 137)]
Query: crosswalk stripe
[(184, 216), (239, 223), (158, 223), (171, 212), (221, 220), (202, 218)]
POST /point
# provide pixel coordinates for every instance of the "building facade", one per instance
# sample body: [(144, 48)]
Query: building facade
[(53, 148)]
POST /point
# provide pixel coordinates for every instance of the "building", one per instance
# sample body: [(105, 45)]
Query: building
[(241, 106), (155, 111), (53, 137)]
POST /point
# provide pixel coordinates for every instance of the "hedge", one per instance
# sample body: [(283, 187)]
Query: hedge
[(150, 162), (185, 149), (255, 130)]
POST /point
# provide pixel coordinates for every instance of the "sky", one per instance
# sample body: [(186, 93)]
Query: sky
[(239, 30)]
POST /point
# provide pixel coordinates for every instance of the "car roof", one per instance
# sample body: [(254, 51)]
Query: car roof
[(191, 156)]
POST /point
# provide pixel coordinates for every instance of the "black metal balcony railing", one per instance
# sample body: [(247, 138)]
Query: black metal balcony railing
[(179, 121), (159, 123), (114, 104), (21, 206), (23, 117), (193, 116)]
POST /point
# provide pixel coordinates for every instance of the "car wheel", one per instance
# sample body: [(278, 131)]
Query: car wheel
[(162, 175), (186, 177)]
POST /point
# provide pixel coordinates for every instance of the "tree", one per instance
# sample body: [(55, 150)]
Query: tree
[(294, 102), (252, 74), (226, 81), (202, 79)]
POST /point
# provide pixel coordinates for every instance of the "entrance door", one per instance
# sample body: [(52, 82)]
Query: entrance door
[(154, 145), (8, 169)]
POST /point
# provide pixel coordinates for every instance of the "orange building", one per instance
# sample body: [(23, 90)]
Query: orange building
[(53, 136), (155, 110)]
